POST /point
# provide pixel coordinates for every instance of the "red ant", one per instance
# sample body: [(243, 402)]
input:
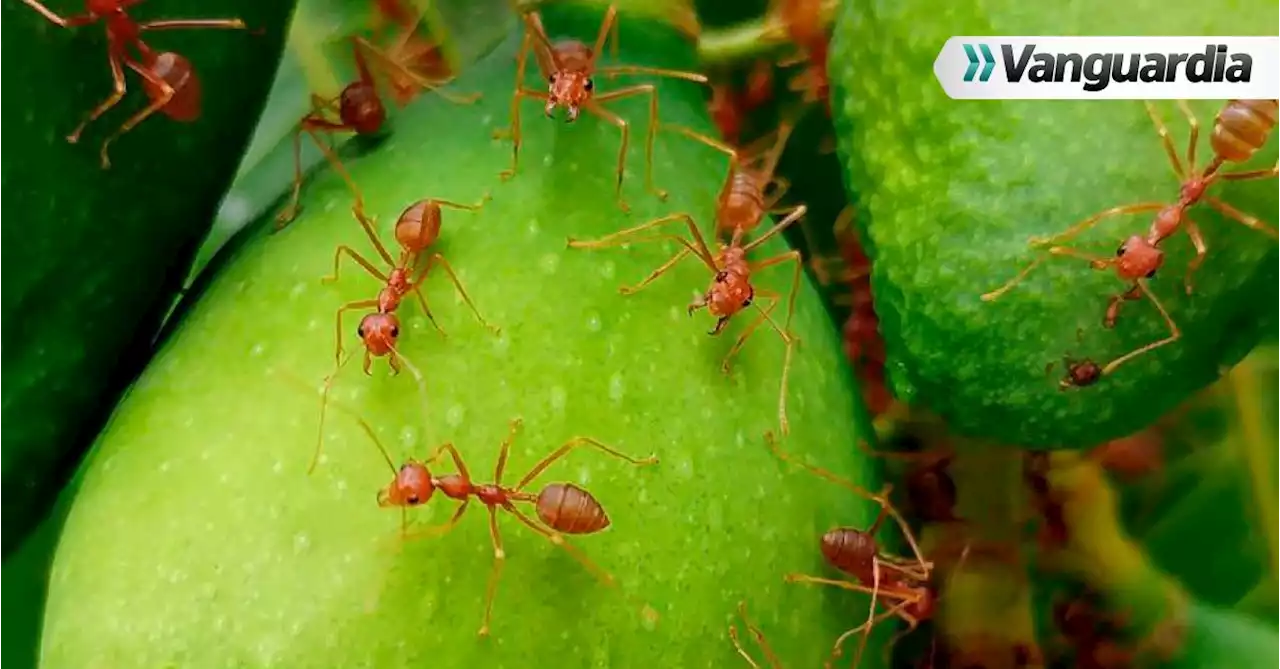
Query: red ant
[(731, 290), (168, 78), (569, 67), (1049, 504), (416, 230), (1239, 131), (802, 23), (562, 508), (857, 553), (770, 657), (359, 106), (730, 106)]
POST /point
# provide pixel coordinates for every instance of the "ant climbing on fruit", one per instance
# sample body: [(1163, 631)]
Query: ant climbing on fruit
[(569, 67), (360, 109), (770, 657), (168, 78), (1240, 129), (857, 553), (731, 290), (562, 508)]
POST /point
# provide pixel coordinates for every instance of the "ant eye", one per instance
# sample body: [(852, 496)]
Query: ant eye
[(1151, 274), (721, 275), (588, 85), (360, 332), (413, 499), (1120, 251), (552, 77), (395, 331)]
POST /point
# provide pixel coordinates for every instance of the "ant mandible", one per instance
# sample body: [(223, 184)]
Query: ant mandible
[(1240, 130), (360, 109), (569, 67), (562, 508), (769, 655), (731, 289), (168, 78)]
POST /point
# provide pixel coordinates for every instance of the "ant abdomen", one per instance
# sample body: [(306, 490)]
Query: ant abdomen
[(176, 71), (419, 226), (742, 206), (850, 550), (360, 107), (566, 508), (1242, 127)]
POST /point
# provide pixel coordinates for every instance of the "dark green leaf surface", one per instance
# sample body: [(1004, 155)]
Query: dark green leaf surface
[(198, 540), (950, 191), (94, 257)]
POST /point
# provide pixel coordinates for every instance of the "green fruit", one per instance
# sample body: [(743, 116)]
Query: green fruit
[(950, 191), (197, 538), (97, 256)]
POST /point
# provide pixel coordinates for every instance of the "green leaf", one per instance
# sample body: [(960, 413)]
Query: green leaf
[(1220, 473), (96, 256), (197, 539), (950, 191)]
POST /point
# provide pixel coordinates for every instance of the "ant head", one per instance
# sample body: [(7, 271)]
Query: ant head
[(1138, 258), (412, 486), (923, 607), (571, 89), (379, 332), (1081, 373), (360, 107), (730, 292)]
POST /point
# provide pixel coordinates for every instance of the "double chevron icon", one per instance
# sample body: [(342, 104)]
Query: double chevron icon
[(987, 58)]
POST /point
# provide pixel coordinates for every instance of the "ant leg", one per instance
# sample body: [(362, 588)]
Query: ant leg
[(310, 126), (368, 224), (423, 83), (574, 443), (871, 615), (526, 43), (436, 258), (621, 237), (62, 21), (616, 70), (505, 449), (166, 93), (318, 105), (1174, 333), (1097, 262), (785, 331), (1167, 142), (881, 498), (662, 269), (756, 633), (606, 24), (225, 24), (499, 557), (735, 157), (442, 528), (624, 127), (761, 294), (555, 538), (1241, 217), (795, 215), (360, 260), (1197, 242), (118, 90), (465, 207), (1087, 223), (1116, 302), (362, 304), (1251, 174), (1194, 137)]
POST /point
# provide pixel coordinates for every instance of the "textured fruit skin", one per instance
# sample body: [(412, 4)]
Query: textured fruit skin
[(95, 257), (950, 191), (197, 539)]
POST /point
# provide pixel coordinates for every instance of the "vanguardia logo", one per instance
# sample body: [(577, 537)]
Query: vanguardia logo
[(987, 58), (1079, 68)]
